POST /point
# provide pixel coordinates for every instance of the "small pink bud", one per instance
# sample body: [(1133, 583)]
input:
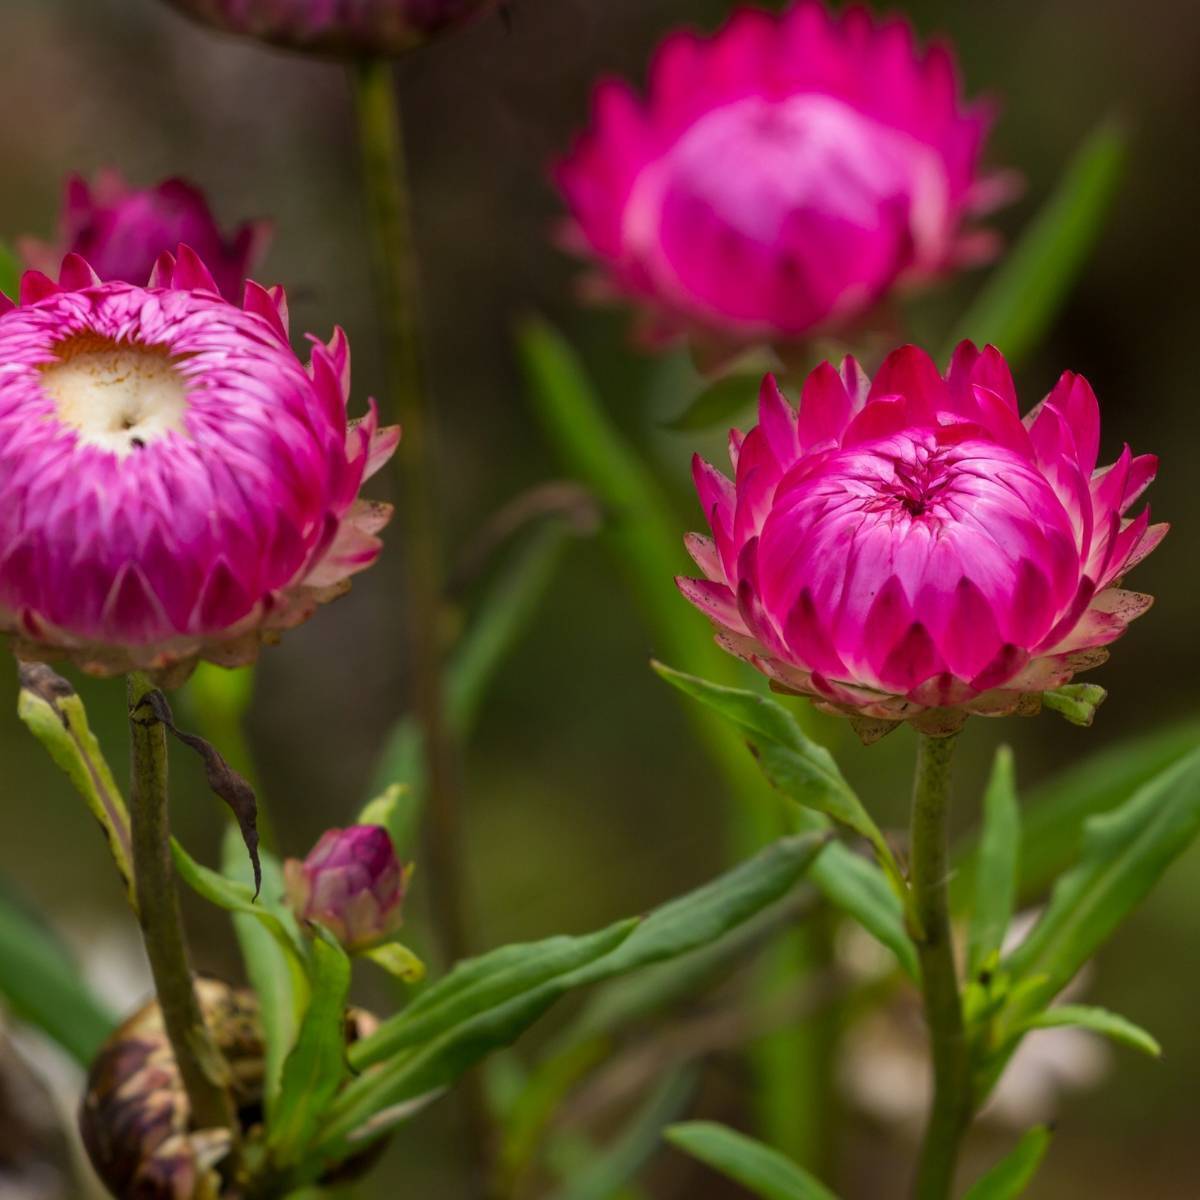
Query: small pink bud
[(352, 883)]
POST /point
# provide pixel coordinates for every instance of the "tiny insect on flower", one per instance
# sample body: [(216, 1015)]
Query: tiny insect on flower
[(352, 883), (178, 484), (908, 548), (780, 178)]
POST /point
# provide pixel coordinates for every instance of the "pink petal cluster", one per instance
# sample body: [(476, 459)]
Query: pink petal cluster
[(780, 177), (352, 883), (336, 27), (177, 484), (121, 231), (908, 548)]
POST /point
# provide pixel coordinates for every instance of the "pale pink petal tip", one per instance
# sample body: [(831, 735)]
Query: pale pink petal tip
[(913, 550)]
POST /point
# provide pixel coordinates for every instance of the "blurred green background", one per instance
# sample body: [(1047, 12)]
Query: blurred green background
[(587, 797)]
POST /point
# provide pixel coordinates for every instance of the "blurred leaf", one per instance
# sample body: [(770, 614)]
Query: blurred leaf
[(1053, 813), (273, 964), (861, 890), (719, 403), (613, 1168), (793, 763), (1076, 701), (996, 880), (1124, 854), (398, 961), (316, 1067), (1097, 1020), (503, 614), (53, 712), (381, 810), (1013, 1174), (43, 987), (10, 272), (758, 1168), (1021, 299)]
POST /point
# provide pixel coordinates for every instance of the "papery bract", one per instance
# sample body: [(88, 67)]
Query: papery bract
[(780, 177), (121, 231), (335, 27), (177, 484), (908, 548), (352, 883)]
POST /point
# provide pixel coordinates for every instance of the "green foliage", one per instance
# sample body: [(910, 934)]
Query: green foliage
[(316, 1067), (1077, 702), (719, 403), (996, 880), (1013, 1174), (1097, 1020), (1024, 293), (42, 986), (759, 1169), (10, 272)]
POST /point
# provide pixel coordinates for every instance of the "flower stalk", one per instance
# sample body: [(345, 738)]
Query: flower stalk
[(950, 1112), (201, 1065)]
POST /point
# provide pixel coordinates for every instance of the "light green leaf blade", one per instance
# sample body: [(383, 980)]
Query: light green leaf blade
[(1098, 1020), (10, 272), (1018, 303), (398, 961), (42, 986), (316, 1067), (758, 1168), (996, 881), (1013, 1174), (1124, 853), (719, 403)]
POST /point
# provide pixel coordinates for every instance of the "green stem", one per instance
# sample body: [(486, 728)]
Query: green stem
[(950, 1112), (201, 1066)]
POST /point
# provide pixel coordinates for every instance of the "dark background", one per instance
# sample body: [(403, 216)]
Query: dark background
[(587, 798)]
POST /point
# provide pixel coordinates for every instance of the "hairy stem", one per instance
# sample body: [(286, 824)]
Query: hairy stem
[(201, 1066), (950, 1112)]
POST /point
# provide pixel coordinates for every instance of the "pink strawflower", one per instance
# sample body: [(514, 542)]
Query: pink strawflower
[(352, 883), (336, 27), (909, 548), (121, 231), (177, 484), (781, 177)]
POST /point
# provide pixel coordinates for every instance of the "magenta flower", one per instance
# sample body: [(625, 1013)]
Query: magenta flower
[(336, 27), (177, 484), (352, 883), (121, 231), (781, 177), (909, 548)]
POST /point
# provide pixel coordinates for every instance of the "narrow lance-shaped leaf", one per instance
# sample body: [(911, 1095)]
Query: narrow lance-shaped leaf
[(1097, 1020), (1124, 854), (10, 273), (762, 1171), (316, 1067), (1025, 292), (720, 402), (996, 880), (1014, 1173), (54, 714)]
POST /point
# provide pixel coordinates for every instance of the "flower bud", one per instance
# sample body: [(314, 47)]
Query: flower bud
[(350, 28), (352, 883)]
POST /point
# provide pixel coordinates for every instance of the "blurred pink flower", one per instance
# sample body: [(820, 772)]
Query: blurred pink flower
[(781, 177), (336, 27), (908, 548), (352, 883), (121, 231), (177, 484)]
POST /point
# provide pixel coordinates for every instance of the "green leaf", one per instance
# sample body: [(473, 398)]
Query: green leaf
[(53, 712), (1124, 854), (273, 964), (1055, 810), (719, 403), (792, 762), (1019, 302), (10, 272), (996, 880), (382, 810), (316, 1067), (612, 1169), (1098, 1020), (758, 1168), (1076, 701), (399, 961), (503, 614), (42, 986), (1013, 1174)]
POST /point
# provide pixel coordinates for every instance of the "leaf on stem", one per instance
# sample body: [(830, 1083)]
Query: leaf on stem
[(763, 1171), (719, 402), (1013, 1174), (996, 878), (1098, 1020), (10, 272)]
